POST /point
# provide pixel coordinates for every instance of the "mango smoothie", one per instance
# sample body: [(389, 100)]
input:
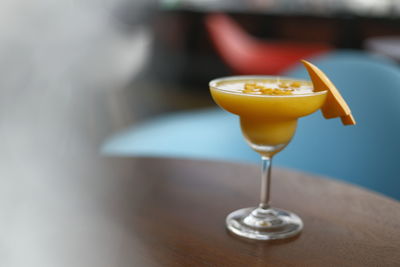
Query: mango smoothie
[(268, 107)]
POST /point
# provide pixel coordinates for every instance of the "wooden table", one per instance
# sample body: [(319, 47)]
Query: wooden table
[(170, 212)]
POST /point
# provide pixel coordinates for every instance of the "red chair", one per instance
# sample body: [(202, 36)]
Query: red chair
[(245, 54)]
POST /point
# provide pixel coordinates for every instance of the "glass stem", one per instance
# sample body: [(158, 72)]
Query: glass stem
[(265, 182)]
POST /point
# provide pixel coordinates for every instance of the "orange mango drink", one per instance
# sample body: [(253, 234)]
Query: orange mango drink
[(268, 107)]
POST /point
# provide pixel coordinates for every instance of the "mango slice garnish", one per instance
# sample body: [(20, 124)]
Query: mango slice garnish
[(335, 106)]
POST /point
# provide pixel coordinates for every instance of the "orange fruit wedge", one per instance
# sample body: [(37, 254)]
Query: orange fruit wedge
[(334, 106)]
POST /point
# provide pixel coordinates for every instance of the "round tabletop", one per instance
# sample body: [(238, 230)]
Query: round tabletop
[(171, 212)]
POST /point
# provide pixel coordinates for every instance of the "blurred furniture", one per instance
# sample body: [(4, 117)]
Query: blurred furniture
[(169, 212), (207, 133), (182, 38), (384, 45), (245, 54), (363, 154)]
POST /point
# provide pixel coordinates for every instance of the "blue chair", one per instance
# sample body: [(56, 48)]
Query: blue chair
[(208, 133), (364, 154)]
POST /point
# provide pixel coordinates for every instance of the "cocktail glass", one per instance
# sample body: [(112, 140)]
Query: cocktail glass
[(268, 123)]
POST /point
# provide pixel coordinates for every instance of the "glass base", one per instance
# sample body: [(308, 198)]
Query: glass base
[(264, 224)]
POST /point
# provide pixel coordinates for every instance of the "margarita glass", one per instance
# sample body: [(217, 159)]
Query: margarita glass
[(269, 108)]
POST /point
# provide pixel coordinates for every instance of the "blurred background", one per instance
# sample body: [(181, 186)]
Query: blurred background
[(184, 58), (166, 110), (79, 78)]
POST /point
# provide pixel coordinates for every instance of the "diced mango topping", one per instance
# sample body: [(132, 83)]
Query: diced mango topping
[(295, 84), (257, 89), (249, 86)]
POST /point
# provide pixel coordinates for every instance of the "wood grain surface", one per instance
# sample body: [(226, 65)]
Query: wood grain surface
[(170, 212)]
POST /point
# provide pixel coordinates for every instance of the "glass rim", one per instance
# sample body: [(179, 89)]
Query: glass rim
[(213, 84)]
